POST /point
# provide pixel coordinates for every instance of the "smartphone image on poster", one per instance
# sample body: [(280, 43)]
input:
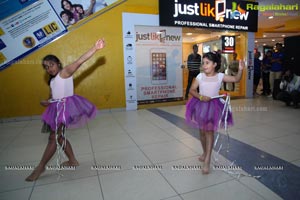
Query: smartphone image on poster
[(158, 59)]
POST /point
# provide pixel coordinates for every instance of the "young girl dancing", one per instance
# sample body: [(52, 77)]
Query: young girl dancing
[(64, 108), (202, 110)]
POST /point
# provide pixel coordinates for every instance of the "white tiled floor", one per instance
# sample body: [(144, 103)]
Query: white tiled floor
[(141, 138)]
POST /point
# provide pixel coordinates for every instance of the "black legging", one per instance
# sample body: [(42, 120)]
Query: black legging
[(266, 82)]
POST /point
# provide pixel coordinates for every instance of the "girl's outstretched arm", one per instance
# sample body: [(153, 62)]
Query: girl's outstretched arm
[(70, 69), (236, 78)]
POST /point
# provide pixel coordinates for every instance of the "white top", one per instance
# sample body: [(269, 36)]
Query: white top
[(61, 88), (209, 85)]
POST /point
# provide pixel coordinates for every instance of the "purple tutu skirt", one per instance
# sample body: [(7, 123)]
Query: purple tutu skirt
[(73, 112), (206, 115)]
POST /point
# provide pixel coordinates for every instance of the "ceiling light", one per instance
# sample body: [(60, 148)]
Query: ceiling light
[(283, 35), (264, 44), (189, 33), (255, 41), (273, 40), (264, 35), (270, 17)]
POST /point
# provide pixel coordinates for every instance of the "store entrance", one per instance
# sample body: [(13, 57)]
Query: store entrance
[(213, 40)]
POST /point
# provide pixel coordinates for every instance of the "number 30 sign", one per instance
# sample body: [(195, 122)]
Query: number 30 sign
[(228, 44)]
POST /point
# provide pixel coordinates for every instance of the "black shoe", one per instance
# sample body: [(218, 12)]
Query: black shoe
[(287, 103)]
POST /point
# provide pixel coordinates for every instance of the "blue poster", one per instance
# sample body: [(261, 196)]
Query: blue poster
[(9, 7), (32, 25)]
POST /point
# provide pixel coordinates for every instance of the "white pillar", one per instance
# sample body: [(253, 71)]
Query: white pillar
[(250, 65)]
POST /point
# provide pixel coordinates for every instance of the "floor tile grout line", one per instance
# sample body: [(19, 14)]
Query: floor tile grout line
[(281, 143), (32, 189), (94, 158), (149, 160), (251, 189), (180, 195), (61, 181), (278, 143), (197, 154), (229, 180), (11, 190), (175, 139), (267, 138), (172, 197), (233, 178), (178, 140), (273, 188), (14, 138), (264, 138)]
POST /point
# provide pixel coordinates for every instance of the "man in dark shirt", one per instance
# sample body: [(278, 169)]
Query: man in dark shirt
[(193, 64), (257, 71)]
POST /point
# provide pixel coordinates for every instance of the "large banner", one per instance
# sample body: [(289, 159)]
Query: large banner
[(158, 60), (218, 14), (33, 24), (72, 11), (152, 60)]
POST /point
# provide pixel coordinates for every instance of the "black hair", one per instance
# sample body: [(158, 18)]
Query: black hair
[(215, 57), (52, 58), (269, 51), (67, 12), (78, 5), (81, 15), (62, 5)]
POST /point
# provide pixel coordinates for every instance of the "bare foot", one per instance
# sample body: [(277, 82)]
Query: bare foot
[(70, 163), (35, 174), (202, 158), (205, 169)]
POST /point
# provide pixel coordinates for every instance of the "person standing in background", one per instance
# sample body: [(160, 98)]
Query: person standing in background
[(276, 69), (223, 66), (223, 62), (233, 68), (257, 72), (266, 66), (193, 64)]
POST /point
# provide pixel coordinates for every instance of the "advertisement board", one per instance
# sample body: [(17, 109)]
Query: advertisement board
[(219, 14)]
